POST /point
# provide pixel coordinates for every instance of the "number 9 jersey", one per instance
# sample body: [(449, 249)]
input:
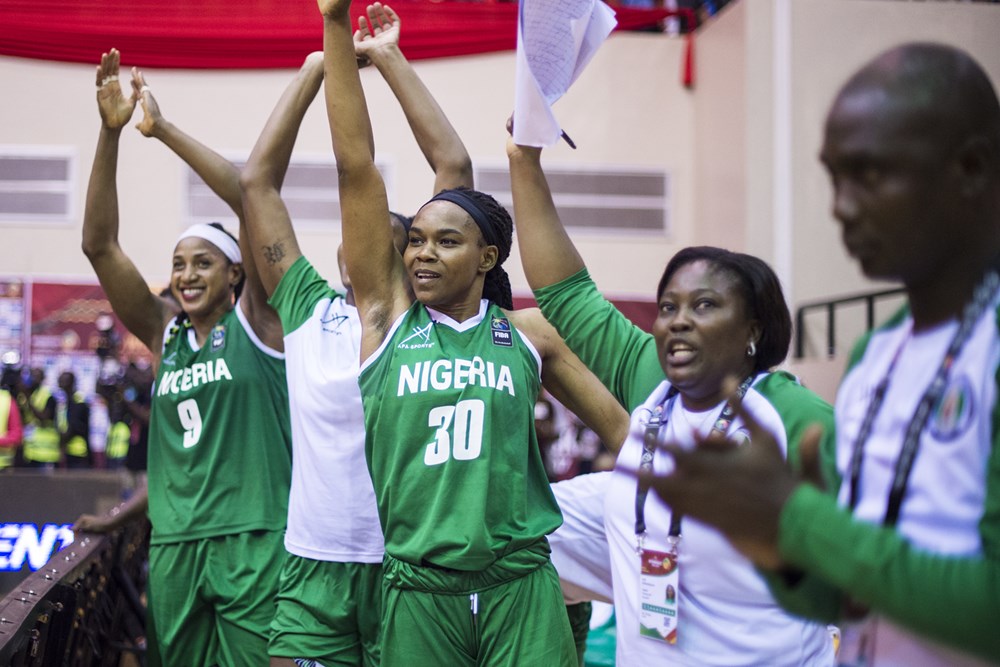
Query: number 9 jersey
[(219, 438), (449, 415)]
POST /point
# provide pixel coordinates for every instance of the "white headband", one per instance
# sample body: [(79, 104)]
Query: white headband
[(219, 239)]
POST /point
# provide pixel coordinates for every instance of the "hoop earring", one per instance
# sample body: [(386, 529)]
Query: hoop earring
[(752, 349)]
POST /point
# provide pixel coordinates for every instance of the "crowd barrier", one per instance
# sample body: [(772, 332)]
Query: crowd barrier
[(84, 608)]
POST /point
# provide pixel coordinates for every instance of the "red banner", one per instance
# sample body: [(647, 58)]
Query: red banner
[(212, 34)]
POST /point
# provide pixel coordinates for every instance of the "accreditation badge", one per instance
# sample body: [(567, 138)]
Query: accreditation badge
[(659, 586), (857, 643)]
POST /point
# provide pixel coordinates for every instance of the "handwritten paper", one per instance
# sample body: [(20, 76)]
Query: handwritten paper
[(555, 41)]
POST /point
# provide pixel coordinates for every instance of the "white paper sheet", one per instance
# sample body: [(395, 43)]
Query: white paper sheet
[(555, 41)]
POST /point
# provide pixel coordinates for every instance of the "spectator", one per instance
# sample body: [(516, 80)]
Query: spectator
[(38, 406), (10, 429), (73, 423)]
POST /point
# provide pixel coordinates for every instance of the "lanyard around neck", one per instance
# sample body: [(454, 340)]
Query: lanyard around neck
[(981, 299), (650, 439)]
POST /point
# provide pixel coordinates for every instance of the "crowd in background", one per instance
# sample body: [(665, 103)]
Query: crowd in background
[(48, 422)]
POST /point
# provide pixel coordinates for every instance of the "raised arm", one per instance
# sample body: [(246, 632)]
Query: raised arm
[(572, 383), (618, 352), (219, 174), (377, 41), (143, 313), (271, 234), (375, 267), (223, 178), (547, 253)]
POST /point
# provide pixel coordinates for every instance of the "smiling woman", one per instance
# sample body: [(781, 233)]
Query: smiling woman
[(682, 594), (219, 415)]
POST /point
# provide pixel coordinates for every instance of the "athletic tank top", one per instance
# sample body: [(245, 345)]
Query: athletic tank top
[(449, 413), (219, 443)]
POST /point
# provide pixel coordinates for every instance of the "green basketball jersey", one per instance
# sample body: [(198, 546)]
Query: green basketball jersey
[(219, 442), (449, 413)]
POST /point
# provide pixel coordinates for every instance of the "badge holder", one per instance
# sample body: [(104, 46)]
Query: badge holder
[(659, 590)]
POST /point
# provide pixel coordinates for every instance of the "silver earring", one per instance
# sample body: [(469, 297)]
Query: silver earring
[(752, 349)]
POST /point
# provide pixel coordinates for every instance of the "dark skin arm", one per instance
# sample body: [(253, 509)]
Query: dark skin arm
[(267, 221), (377, 41), (133, 508), (224, 179), (547, 252), (374, 264), (571, 382), (142, 313), (46, 414)]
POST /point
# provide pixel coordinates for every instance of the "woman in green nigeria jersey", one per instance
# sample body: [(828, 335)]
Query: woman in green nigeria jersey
[(219, 415), (449, 378)]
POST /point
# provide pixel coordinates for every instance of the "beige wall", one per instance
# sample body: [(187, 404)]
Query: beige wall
[(740, 148), (626, 110), (769, 70)]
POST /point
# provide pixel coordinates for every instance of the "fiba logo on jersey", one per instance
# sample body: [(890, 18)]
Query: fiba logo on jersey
[(218, 338), (500, 328)]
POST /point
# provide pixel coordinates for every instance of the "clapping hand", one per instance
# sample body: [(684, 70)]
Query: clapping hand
[(378, 30), (115, 108)]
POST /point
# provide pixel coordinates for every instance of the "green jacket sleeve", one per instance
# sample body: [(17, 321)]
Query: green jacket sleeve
[(800, 408), (620, 354), (952, 599), (881, 569)]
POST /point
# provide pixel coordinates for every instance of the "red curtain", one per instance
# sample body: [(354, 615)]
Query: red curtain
[(253, 34)]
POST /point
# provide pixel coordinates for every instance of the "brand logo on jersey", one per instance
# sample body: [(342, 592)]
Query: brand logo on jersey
[(500, 328), (421, 338), (953, 414), (174, 382), (332, 324), (218, 337), (169, 360), (446, 374)]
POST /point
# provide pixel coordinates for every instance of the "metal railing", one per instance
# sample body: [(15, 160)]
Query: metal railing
[(83, 608), (831, 306)]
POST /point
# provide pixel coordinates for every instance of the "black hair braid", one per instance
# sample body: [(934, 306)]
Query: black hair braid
[(496, 286), (180, 320)]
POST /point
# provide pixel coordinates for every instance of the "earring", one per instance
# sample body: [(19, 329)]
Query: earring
[(752, 349)]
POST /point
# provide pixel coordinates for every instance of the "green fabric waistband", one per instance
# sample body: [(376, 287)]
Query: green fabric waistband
[(432, 579)]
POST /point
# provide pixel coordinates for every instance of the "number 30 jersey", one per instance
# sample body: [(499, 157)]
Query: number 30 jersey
[(219, 435), (449, 415)]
